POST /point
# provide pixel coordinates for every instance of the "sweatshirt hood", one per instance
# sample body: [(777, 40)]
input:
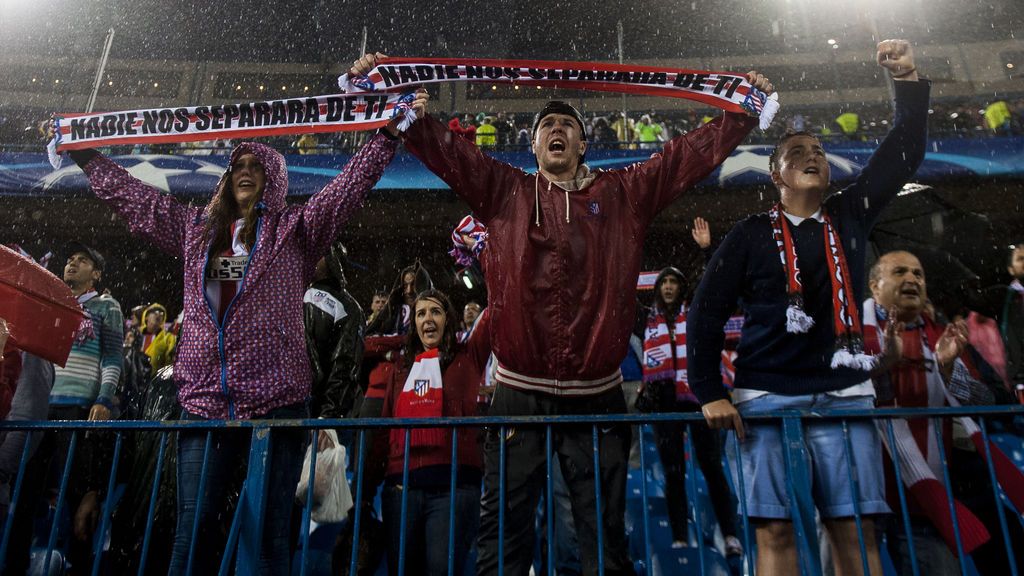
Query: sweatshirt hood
[(276, 187)]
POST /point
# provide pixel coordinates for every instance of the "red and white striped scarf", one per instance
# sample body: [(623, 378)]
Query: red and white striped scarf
[(665, 352), (463, 254), (915, 445), (849, 344), (422, 396)]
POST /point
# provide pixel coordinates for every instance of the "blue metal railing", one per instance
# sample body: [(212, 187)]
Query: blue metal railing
[(244, 542)]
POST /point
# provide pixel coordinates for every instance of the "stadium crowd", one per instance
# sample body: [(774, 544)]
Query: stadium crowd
[(786, 314)]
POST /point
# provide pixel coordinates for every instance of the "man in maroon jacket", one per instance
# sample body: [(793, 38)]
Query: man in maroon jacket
[(565, 254)]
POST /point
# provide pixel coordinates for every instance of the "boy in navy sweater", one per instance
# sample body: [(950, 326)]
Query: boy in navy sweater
[(798, 272)]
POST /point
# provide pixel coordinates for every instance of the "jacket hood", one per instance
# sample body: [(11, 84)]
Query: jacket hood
[(154, 307), (665, 273), (276, 188)]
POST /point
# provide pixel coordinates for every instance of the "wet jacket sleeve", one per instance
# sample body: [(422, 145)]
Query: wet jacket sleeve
[(685, 161), (713, 304), (479, 344), (327, 211), (481, 181), (342, 386), (146, 211), (896, 158)]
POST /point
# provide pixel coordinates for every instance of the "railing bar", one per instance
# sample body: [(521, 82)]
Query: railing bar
[(153, 493), (549, 499), (648, 559), (307, 509), (691, 472), (749, 552), (236, 527), (9, 521), (199, 502), (358, 505), (597, 502), (904, 511), (937, 429), (851, 472), (403, 524), (1010, 556), (52, 540), (451, 504), (501, 500), (100, 537)]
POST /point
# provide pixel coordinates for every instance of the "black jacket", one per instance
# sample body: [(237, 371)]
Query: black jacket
[(334, 340)]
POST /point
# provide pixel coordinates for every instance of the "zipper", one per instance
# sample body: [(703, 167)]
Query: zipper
[(220, 325)]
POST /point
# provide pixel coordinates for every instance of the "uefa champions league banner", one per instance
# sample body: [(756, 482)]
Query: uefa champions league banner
[(30, 174)]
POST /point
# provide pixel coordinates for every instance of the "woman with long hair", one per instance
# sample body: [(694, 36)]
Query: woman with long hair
[(437, 377), (248, 257)]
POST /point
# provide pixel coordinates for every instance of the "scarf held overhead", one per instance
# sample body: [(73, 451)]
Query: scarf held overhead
[(729, 91), (332, 113)]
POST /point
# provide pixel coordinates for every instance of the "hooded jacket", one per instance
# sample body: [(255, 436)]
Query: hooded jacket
[(564, 257), (334, 339), (255, 360), (160, 349)]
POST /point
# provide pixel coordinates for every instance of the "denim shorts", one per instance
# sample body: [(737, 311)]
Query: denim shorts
[(765, 477)]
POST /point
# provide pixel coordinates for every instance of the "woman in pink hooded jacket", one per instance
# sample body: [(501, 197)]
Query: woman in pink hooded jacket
[(248, 257)]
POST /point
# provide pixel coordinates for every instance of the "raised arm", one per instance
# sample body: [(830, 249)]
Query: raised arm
[(689, 158), (903, 149), (327, 211), (481, 181), (148, 212)]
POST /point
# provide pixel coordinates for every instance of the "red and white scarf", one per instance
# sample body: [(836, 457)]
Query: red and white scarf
[(422, 396), (665, 352), (475, 229), (725, 90), (849, 346), (915, 444)]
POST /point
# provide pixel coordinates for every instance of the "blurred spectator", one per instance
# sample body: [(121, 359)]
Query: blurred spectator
[(487, 134), (1005, 304), (306, 144), (334, 339), (997, 117), (157, 343), (665, 389), (379, 299), (470, 313), (85, 388), (505, 130), (623, 127), (849, 124), (648, 133)]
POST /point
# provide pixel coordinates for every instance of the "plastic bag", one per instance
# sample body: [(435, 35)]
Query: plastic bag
[(332, 497)]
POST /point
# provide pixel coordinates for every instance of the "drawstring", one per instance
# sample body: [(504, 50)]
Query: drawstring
[(536, 199)]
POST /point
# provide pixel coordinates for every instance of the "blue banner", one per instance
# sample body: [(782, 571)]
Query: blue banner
[(29, 174)]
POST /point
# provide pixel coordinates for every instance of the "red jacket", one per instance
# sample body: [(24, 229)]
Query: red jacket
[(461, 385), (563, 291)]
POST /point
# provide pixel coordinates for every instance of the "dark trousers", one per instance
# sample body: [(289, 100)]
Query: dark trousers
[(426, 527), (525, 479), (229, 453), (707, 444)]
